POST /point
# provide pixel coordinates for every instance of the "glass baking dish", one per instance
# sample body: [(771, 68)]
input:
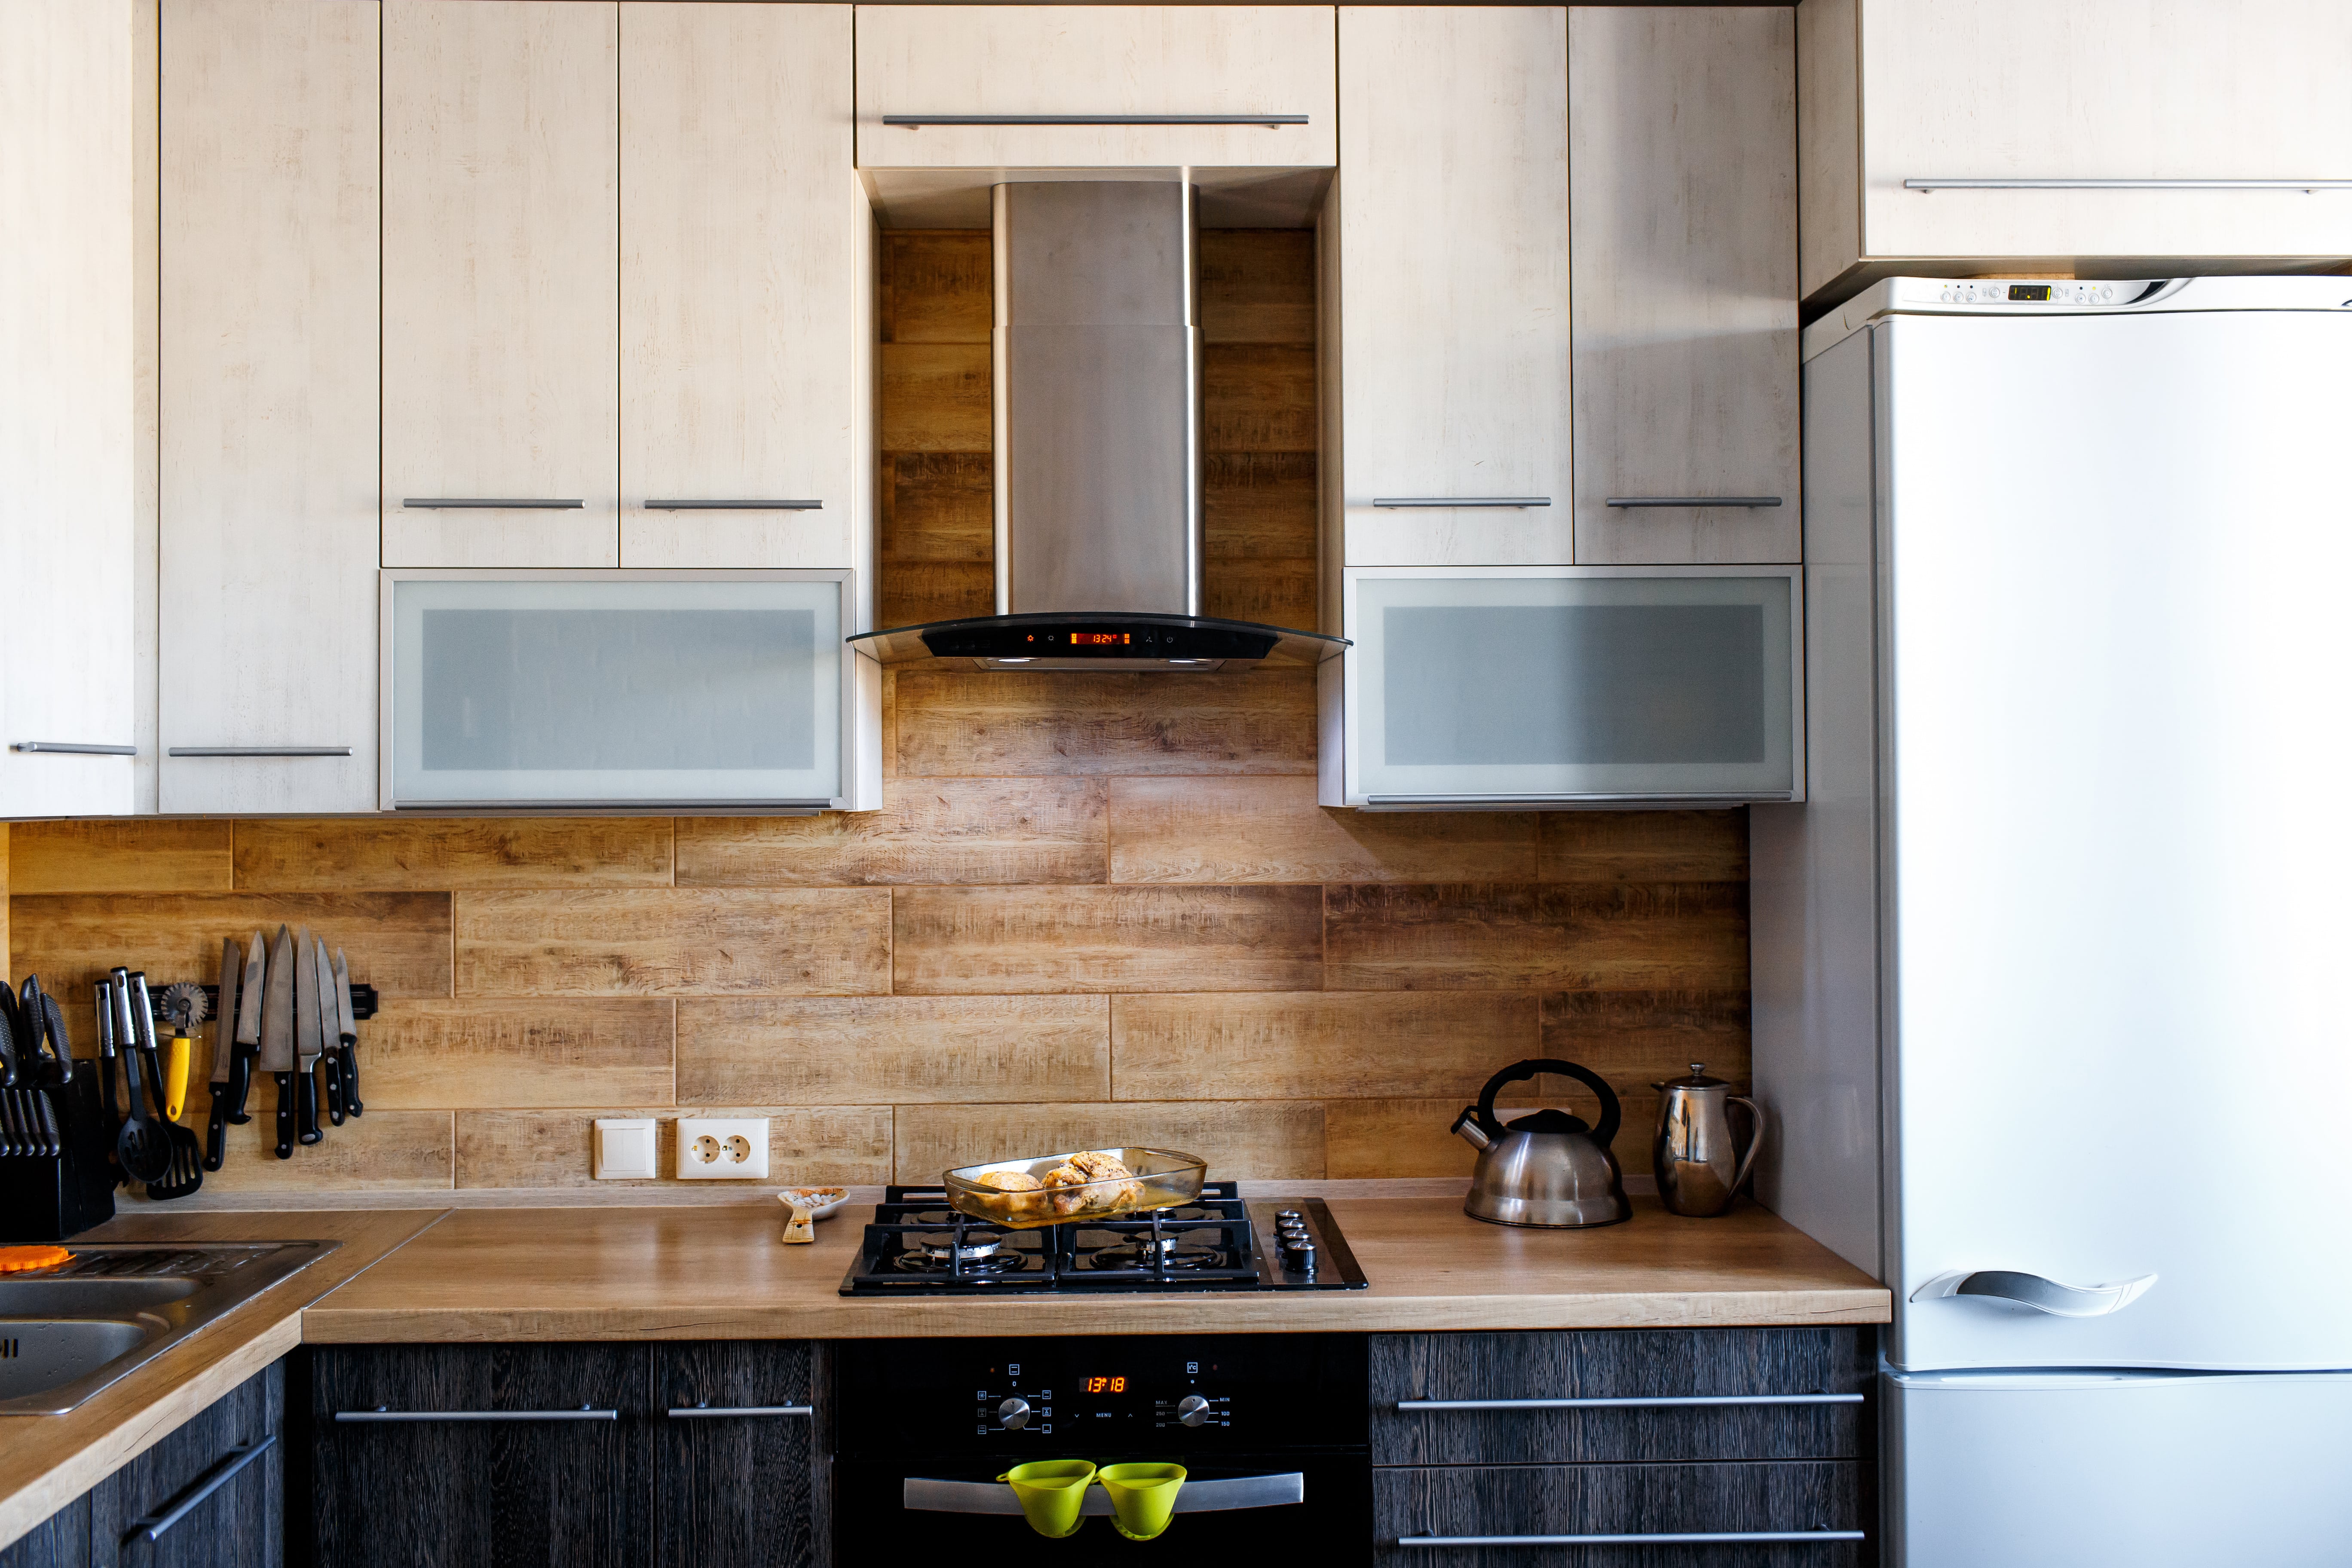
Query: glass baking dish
[(1156, 1179)]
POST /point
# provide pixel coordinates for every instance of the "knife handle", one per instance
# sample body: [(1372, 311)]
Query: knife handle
[(216, 1131), (330, 1077), (306, 1107), (349, 1055), (240, 1084), (285, 1114)]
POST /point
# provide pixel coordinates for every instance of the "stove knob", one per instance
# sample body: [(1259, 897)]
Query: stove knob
[(1300, 1255), (1289, 1216), (1013, 1412), (1192, 1410)]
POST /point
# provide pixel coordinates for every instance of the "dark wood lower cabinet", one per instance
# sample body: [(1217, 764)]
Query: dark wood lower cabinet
[(741, 1485)]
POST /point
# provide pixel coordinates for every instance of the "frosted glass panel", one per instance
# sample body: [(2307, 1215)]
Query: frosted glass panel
[(616, 690), (1571, 685)]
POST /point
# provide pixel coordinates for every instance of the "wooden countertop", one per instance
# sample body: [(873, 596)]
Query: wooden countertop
[(720, 1273)]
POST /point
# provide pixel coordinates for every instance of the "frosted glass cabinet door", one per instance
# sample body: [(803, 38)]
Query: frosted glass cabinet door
[(1572, 684), (508, 689)]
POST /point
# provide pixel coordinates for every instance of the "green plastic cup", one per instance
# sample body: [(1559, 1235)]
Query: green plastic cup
[(1143, 1497), (1052, 1492)]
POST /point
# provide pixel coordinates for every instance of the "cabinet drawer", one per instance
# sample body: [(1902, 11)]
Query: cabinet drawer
[(1786, 1372), (1468, 1516)]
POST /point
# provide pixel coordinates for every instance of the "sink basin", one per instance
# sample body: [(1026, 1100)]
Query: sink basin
[(68, 1331)]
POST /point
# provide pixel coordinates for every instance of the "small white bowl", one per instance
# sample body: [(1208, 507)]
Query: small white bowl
[(820, 1202)]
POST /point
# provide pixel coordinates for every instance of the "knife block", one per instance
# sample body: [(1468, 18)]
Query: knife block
[(50, 1199)]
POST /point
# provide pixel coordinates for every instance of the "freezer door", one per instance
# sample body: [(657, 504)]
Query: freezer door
[(2117, 559), (2154, 1469)]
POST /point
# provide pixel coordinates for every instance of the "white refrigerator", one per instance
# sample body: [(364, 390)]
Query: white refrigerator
[(2054, 967)]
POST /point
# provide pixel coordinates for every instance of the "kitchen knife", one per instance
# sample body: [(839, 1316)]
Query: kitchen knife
[(306, 1040), (331, 1063), (347, 1034), (249, 994), (276, 1055), (232, 966)]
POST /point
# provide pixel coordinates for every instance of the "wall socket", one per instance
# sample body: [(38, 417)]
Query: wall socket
[(723, 1148)]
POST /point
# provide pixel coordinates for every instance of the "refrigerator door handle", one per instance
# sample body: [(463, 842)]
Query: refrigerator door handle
[(2032, 1291)]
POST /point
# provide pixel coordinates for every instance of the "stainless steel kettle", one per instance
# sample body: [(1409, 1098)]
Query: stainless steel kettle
[(1547, 1168), (1693, 1151)]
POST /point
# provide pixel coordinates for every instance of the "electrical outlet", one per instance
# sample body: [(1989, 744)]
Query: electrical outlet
[(723, 1148)]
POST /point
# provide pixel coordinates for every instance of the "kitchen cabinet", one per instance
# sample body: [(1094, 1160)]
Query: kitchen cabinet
[(269, 406), (2098, 105), (502, 259), (746, 291), (1162, 81), (68, 728), (739, 1475), (1682, 239), (1448, 258)]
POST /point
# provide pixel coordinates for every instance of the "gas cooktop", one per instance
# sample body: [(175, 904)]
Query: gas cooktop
[(918, 1245)]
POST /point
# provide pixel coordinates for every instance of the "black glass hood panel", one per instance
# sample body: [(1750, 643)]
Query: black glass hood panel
[(1106, 642)]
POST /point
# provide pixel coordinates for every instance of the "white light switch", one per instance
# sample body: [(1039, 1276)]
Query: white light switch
[(625, 1148)]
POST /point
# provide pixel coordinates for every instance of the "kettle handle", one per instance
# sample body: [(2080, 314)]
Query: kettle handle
[(1603, 1134), (1755, 1139)]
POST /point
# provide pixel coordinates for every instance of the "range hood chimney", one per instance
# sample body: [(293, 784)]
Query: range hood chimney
[(1096, 371)]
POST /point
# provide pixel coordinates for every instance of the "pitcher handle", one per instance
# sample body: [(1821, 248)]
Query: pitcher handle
[(1755, 1139)]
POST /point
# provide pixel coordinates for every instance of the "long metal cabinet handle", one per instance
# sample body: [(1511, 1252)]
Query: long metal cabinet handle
[(583, 1414), (1663, 1402), (2306, 186), (487, 504), (712, 1410), (914, 121), (258, 752), (1393, 502), (683, 505), (1486, 797), (1750, 501), (223, 1472), (75, 748), (926, 1496), (2034, 1291), (1672, 1538)]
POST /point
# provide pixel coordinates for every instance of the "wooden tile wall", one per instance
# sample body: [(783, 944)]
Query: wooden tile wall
[(1092, 909)]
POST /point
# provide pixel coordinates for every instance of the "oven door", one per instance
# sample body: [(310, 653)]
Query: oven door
[(1235, 1508)]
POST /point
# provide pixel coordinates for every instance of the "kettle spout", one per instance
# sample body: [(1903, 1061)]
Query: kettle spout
[(1468, 1125)]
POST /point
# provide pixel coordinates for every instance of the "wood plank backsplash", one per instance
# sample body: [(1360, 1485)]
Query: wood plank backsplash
[(1092, 909)]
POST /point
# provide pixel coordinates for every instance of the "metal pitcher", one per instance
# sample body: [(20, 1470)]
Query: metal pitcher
[(1698, 1171)]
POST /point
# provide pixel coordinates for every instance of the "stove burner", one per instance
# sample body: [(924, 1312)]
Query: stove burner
[(1136, 1254), (978, 1254)]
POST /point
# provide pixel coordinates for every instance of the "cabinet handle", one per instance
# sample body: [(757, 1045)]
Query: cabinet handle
[(1667, 1537), (585, 1412), (2034, 1291), (486, 503), (734, 506), (73, 748), (916, 121), (258, 752), (685, 1412), (1392, 502), (223, 1472), (1693, 501), (2306, 186), (1663, 1402)]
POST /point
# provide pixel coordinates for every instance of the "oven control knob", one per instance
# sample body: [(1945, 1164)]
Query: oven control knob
[(1192, 1410), (1013, 1412)]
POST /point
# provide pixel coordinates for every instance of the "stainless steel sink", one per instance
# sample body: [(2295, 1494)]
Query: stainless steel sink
[(66, 1332)]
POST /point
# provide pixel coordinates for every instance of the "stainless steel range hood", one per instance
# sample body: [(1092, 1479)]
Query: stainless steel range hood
[(1096, 351)]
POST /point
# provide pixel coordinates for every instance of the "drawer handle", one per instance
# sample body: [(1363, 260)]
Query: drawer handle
[(2306, 186), (1692, 500), (685, 1412), (486, 503), (734, 506), (1486, 797), (75, 748), (585, 1412), (916, 121), (223, 1472), (2034, 1291), (258, 752), (1663, 1402), (1394, 502), (1665, 1538)]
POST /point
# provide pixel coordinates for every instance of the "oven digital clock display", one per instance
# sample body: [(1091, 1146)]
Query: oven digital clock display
[(1098, 639), (1104, 1384)]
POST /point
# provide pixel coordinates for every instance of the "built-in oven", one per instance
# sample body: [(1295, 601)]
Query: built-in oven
[(1271, 1429)]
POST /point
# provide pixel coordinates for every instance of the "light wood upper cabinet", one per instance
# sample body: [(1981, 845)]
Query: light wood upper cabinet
[(2097, 91), (1682, 161), (502, 258), (1138, 60), (268, 405), (1452, 277), (745, 287)]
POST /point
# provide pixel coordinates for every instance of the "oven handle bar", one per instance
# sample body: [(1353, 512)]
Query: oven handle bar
[(1197, 1496), (1663, 1402)]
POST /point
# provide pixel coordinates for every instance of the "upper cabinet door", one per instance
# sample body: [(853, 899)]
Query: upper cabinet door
[(743, 287), (1452, 243), (1683, 196), (502, 258), (1164, 76), (2250, 94), (269, 406)]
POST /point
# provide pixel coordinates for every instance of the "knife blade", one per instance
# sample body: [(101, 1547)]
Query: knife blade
[(331, 1063), (347, 1034), (232, 965), (277, 1054), (250, 993), (307, 1040)]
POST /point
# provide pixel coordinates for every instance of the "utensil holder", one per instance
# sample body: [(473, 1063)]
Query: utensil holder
[(48, 1197)]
